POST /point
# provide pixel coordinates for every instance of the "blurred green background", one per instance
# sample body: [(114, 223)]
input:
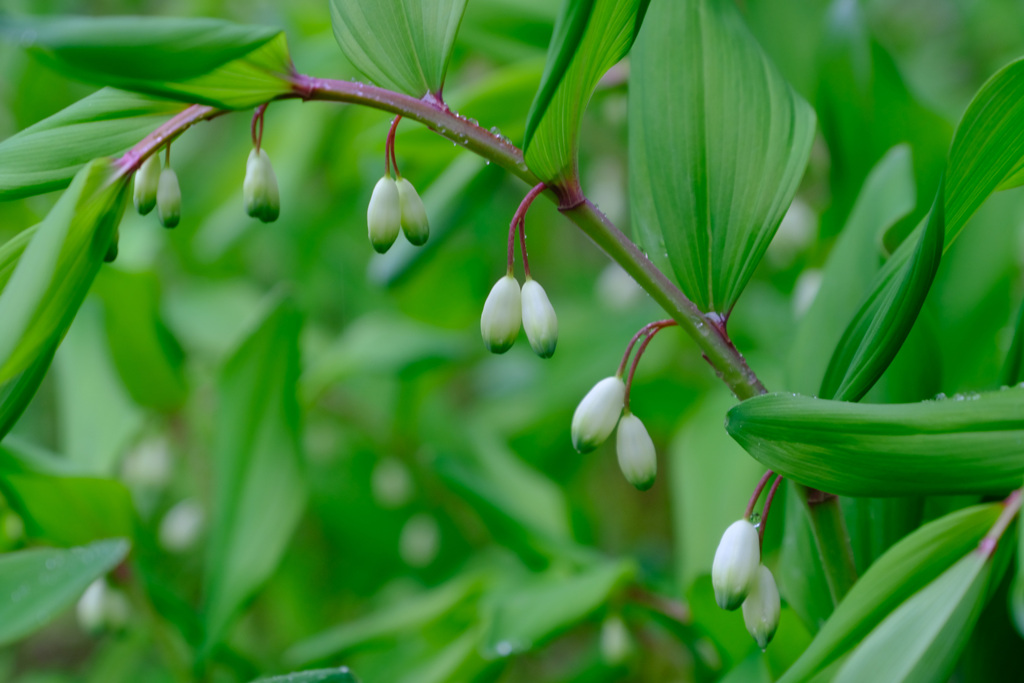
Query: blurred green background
[(447, 522)]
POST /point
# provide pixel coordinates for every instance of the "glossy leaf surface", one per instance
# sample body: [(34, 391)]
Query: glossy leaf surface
[(718, 145), (966, 444)]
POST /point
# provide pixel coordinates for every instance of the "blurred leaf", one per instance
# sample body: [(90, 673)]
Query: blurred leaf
[(202, 60), (557, 116), (525, 617), (147, 356), (910, 564), (40, 584), (17, 392), (459, 660), (260, 492), (887, 196), (406, 615), (922, 639), (967, 444), (339, 675), (403, 45), (46, 155), (57, 267), (1013, 369), (718, 144)]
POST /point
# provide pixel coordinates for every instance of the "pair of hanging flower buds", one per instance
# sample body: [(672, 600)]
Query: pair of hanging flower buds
[(157, 187), (395, 205)]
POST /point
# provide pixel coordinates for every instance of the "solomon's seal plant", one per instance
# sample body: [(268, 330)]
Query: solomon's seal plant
[(289, 383)]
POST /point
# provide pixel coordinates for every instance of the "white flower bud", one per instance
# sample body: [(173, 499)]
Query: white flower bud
[(414, 215), (259, 189), (168, 198), (89, 609), (637, 458), (735, 566), (539, 319), (384, 215), (762, 608), (616, 643), (147, 179), (181, 526), (502, 315), (597, 414)]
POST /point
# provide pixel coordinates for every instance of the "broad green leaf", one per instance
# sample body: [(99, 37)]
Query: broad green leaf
[(54, 272), (718, 144), (17, 392), (522, 618), (965, 444), (887, 196), (260, 492), (339, 675), (403, 45), (39, 584), (553, 148), (388, 621), (46, 155), (986, 152), (1013, 368), (147, 356), (565, 40), (910, 564), (922, 639), (202, 60)]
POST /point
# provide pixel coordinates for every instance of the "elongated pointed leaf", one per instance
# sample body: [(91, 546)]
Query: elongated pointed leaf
[(339, 675), (17, 392), (403, 45), (53, 274), (718, 144), (910, 564), (553, 149), (260, 490), (46, 155), (967, 444), (37, 585), (986, 153), (202, 60)]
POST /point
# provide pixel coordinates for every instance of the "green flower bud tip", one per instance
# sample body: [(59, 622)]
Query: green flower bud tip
[(539, 319), (501, 318), (597, 414), (111, 254), (259, 190), (635, 450), (147, 179), (414, 215), (168, 198), (384, 215), (762, 608), (735, 567)]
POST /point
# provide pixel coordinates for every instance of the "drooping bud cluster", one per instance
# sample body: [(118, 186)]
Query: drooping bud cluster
[(739, 578), (259, 189), (155, 186), (395, 206), (102, 607)]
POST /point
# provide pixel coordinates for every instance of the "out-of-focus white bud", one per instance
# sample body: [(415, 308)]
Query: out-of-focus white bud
[(616, 643), (735, 566), (148, 465), (168, 198), (637, 458), (420, 540), (597, 414), (90, 606), (391, 483), (181, 526), (762, 608), (259, 189), (147, 179), (116, 609), (502, 315), (384, 215), (414, 215), (539, 319)]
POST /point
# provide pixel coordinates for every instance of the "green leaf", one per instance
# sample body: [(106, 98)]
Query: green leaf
[(203, 60), (910, 564), (260, 492), (17, 392), (923, 638), (718, 144), (987, 150), (58, 265), (1013, 369), (524, 617), (339, 675), (46, 155), (40, 584), (552, 153), (403, 45), (966, 444)]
